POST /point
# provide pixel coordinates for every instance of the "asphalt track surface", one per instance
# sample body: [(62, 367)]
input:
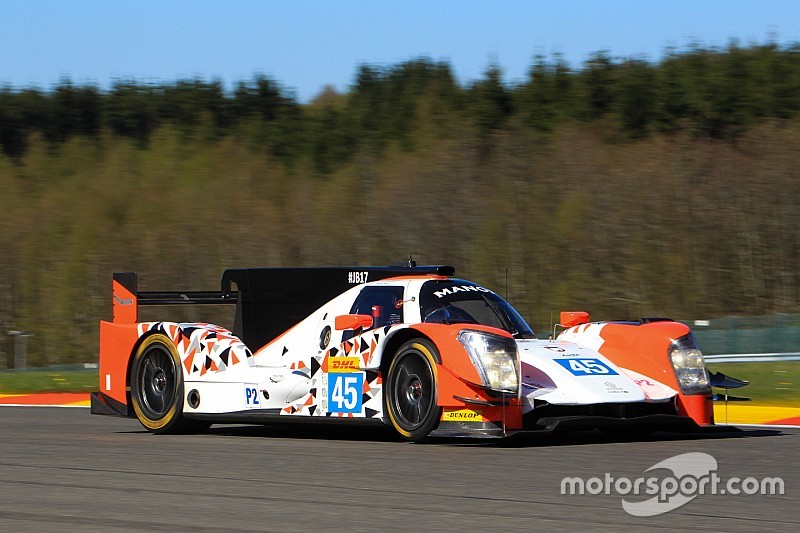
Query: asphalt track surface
[(62, 469)]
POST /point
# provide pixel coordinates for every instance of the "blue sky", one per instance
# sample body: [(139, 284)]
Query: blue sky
[(307, 44)]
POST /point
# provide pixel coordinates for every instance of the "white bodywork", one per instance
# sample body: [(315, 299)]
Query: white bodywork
[(565, 373)]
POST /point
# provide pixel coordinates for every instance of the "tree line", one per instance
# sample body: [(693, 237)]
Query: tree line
[(714, 93), (552, 192)]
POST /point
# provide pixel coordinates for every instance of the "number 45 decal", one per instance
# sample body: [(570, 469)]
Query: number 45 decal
[(344, 392), (586, 367)]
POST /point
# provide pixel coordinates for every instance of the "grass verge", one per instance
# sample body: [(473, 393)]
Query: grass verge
[(770, 383), (48, 380)]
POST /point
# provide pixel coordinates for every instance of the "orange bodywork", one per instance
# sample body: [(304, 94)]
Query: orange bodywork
[(117, 340), (644, 349), (573, 318), (458, 377), (350, 322), (125, 306), (116, 345)]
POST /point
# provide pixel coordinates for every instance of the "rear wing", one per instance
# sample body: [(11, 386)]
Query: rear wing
[(127, 298), (268, 300)]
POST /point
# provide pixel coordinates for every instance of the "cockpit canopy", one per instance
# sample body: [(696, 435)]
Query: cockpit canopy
[(456, 301)]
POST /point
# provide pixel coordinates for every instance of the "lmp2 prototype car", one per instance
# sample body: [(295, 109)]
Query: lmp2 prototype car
[(410, 347)]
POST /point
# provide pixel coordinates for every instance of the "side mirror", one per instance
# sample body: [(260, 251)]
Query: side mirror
[(345, 322), (573, 318)]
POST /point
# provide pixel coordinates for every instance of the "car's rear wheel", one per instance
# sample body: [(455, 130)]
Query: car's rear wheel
[(410, 390), (157, 386)]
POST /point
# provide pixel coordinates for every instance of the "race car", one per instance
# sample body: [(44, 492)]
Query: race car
[(411, 347)]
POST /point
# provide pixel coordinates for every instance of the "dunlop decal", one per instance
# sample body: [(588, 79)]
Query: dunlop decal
[(462, 415)]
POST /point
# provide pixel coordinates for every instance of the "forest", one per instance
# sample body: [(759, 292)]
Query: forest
[(622, 187)]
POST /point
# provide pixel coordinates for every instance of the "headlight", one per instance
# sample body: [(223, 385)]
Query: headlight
[(494, 357), (690, 369)]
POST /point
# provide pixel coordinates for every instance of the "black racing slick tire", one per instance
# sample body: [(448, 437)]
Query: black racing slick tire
[(157, 386), (411, 390)]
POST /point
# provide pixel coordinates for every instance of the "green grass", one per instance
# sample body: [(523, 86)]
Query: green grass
[(770, 383), (48, 380)]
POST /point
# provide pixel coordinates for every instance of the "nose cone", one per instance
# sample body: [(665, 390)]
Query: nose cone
[(565, 373)]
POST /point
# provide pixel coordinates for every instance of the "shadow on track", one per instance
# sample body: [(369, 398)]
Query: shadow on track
[(596, 437), (371, 433)]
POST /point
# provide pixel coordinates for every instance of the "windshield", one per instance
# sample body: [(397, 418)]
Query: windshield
[(455, 301)]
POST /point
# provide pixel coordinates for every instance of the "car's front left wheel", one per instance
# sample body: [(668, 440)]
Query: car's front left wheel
[(410, 390)]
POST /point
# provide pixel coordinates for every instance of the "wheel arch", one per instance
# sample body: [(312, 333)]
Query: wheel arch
[(181, 340), (395, 341), (456, 374), (132, 356), (135, 349)]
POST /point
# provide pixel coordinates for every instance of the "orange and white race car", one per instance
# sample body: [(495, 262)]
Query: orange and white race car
[(411, 347)]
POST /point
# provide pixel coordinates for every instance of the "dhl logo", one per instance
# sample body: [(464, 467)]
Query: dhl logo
[(462, 415), (344, 364)]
